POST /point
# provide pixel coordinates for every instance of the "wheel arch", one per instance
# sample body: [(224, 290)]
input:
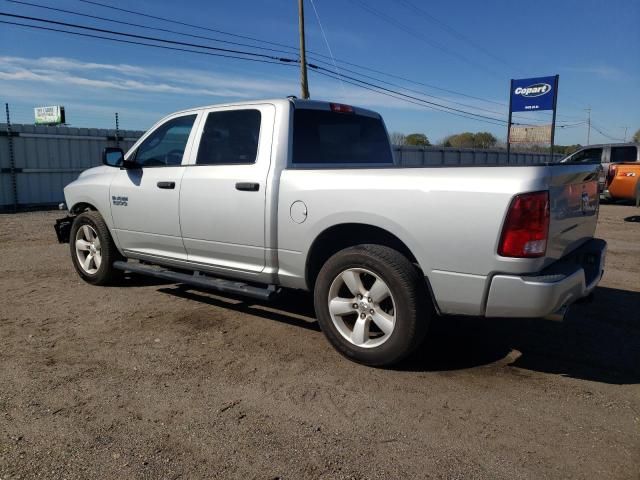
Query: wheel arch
[(344, 235), (80, 207), (86, 205)]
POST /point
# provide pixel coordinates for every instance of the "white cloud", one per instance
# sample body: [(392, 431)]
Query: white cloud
[(91, 82), (607, 72), (64, 71)]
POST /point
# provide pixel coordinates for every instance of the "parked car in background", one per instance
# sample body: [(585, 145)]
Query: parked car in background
[(605, 154), (623, 182)]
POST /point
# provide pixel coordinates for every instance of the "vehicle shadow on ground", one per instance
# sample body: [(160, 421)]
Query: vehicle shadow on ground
[(131, 280), (290, 307), (598, 341)]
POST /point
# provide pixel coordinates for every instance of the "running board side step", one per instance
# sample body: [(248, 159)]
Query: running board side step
[(200, 281)]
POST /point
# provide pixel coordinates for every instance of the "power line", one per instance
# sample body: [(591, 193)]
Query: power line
[(413, 99), (418, 35), (326, 41), (415, 82), (452, 109), (408, 100), (144, 37), (131, 42), (311, 54), (443, 108), (228, 54), (606, 135), (453, 31), (227, 51), (571, 125), (137, 25), (625, 128), (428, 95), (222, 32)]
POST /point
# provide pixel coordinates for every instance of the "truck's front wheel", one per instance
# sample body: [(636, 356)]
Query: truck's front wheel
[(372, 304), (93, 250)]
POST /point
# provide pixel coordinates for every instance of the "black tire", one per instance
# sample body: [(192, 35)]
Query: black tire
[(413, 308), (105, 274)]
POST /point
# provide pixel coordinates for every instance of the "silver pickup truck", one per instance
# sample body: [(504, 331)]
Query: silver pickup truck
[(248, 198)]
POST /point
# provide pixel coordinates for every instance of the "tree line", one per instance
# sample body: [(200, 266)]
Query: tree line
[(483, 140), (459, 140)]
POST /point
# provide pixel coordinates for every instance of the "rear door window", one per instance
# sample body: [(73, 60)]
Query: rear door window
[(230, 137), (323, 137), (624, 154)]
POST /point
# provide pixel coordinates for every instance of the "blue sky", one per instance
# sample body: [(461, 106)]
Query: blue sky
[(464, 46)]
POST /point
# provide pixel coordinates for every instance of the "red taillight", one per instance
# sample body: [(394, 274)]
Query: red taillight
[(526, 228), (613, 169), (340, 108)]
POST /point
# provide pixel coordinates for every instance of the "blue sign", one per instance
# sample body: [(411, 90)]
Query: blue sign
[(531, 94)]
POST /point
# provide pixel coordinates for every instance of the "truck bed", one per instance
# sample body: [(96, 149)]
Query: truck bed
[(450, 217)]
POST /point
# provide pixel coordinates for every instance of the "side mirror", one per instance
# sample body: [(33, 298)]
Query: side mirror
[(113, 157)]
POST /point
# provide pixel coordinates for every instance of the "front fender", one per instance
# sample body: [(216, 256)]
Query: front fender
[(91, 188)]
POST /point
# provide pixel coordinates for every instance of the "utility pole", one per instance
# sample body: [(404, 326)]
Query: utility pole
[(588, 110), (304, 85), (12, 160), (117, 130), (625, 133)]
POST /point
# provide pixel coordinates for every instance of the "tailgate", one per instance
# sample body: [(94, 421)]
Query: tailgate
[(574, 203)]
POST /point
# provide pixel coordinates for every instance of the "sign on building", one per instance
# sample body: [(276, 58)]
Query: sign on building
[(53, 115)]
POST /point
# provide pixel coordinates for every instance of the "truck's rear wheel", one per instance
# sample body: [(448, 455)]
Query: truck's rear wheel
[(92, 250), (372, 304)]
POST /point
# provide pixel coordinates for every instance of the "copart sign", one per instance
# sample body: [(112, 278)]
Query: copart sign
[(530, 94)]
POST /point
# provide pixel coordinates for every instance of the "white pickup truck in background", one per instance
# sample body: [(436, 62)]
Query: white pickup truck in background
[(251, 197)]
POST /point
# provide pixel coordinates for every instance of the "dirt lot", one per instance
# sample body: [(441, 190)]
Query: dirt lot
[(152, 380)]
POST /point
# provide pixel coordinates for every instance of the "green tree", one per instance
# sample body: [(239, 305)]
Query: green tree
[(470, 140), (484, 140), (417, 139), (636, 136), (461, 140)]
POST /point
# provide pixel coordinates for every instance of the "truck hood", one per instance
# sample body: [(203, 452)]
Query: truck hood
[(101, 169)]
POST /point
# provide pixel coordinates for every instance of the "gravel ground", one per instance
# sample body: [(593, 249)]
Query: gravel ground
[(152, 380)]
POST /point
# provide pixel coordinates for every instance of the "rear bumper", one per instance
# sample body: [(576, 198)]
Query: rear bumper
[(551, 290)]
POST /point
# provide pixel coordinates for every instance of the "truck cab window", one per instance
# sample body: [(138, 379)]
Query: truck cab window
[(324, 137), (165, 146), (589, 155), (624, 154), (230, 137)]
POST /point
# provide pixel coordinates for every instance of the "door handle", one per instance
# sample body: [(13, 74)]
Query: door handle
[(248, 186), (167, 185)]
